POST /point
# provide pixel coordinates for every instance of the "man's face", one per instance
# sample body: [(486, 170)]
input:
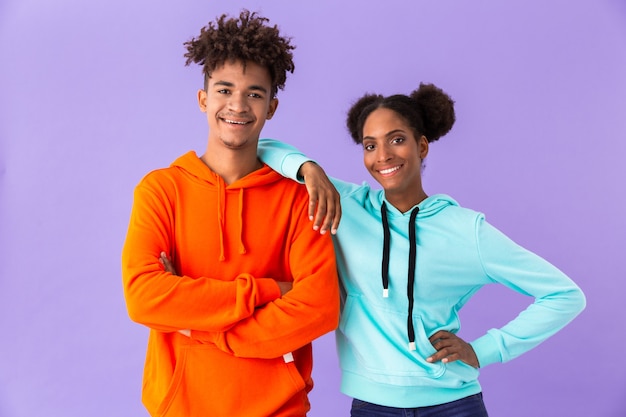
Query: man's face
[(237, 102)]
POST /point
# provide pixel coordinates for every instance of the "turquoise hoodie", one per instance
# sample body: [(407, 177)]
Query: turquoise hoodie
[(382, 353)]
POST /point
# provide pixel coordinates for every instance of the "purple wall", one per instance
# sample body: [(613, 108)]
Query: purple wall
[(94, 94)]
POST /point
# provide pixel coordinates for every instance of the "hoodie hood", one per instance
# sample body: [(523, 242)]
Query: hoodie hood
[(427, 207), (197, 170), (193, 166)]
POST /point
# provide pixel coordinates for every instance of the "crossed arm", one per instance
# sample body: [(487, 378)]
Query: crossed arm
[(168, 266)]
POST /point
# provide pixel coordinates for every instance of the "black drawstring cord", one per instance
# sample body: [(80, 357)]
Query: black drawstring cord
[(412, 259), (411, 277), (386, 238)]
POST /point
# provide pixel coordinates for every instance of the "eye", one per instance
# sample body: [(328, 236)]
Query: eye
[(255, 95), (368, 147), (223, 91), (397, 140)]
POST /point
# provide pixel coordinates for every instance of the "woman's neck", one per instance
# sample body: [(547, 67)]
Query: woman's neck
[(405, 201)]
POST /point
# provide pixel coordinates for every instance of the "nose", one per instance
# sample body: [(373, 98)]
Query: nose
[(238, 103), (383, 154)]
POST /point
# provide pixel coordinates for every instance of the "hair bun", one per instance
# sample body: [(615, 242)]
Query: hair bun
[(437, 110)]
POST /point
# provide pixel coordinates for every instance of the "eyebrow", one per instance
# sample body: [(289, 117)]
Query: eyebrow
[(390, 133), (252, 87)]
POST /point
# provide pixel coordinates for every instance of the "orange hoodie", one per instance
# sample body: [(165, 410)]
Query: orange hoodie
[(249, 352)]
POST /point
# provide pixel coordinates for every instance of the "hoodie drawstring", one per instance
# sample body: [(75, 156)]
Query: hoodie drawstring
[(411, 280), (411, 273), (242, 248), (221, 207), (386, 238), (220, 216)]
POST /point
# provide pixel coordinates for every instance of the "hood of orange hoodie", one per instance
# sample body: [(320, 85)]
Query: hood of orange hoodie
[(198, 171)]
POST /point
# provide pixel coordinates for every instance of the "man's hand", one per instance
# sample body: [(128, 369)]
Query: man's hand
[(450, 348), (324, 201), (285, 287), (169, 267), (167, 264)]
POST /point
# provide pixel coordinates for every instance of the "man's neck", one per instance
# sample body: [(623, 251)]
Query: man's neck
[(231, 165)]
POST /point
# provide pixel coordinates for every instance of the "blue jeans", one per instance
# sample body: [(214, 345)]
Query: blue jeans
[(472, 406)]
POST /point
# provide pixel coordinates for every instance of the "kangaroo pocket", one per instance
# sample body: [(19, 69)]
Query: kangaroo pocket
[(373, 343), (209, 382)]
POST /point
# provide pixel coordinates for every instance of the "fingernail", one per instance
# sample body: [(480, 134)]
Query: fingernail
[(315, 227)]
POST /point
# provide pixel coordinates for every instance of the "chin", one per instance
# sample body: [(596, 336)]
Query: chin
[(236, 144)]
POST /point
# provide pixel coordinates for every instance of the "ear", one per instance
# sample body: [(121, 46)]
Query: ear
[(272, 108), (202, 100), (422, 144)]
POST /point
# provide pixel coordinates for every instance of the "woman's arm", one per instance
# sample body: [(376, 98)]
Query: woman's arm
[(557, 298), (324, 200)]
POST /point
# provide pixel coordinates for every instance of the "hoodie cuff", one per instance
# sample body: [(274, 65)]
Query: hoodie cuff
[(204, 336), (267, 290), (486, 349), (216, 338), (291, 165)]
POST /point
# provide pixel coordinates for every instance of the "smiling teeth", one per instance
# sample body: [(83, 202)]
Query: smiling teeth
[(389, 170), (235, 122)]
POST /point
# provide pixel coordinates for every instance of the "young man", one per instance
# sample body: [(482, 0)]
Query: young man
[(231, 330)]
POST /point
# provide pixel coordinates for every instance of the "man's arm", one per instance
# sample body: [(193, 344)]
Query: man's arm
[(165, 302), (168, 266), (309, 310), (164, 260)]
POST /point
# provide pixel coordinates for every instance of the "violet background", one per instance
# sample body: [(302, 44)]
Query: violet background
[(93, 95)]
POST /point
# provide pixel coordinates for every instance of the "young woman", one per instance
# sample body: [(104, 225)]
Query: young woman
[(408, 262)]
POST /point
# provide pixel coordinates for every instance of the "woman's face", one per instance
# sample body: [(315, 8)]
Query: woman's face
[(392, 154)]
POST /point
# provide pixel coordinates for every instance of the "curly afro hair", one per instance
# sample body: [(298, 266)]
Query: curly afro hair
[(247, 38), (428, 110)]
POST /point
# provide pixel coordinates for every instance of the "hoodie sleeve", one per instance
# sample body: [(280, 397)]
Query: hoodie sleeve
[(287, 160), (557, 298), (308, 311), (282, 158), (165, 302)]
